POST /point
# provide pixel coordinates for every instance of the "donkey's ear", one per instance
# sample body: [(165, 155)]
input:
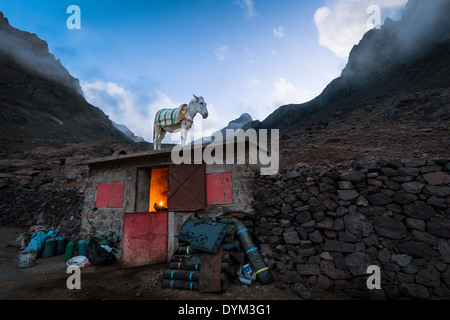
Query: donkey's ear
[(196, 98)]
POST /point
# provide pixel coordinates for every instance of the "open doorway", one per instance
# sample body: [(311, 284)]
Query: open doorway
[(152, 189)]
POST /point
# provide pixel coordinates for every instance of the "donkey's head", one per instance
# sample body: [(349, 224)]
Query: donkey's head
[(200, 106)]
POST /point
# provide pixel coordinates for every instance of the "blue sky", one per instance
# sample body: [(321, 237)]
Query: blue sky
[(135, 57)]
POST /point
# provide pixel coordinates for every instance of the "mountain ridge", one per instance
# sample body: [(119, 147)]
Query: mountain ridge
[(41, 103), (380, 65)]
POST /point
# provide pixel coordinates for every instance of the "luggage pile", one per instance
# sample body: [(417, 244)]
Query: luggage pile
[(215, 254)]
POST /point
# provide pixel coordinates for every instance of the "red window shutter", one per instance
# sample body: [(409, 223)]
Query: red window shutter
[(109, 195), (187, 187), (219, 188)]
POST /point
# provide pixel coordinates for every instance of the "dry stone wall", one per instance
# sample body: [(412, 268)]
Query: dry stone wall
[(322, 226)]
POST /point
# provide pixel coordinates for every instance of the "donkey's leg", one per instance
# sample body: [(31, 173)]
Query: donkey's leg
[(184, 132), (158, 137), (161, 137)]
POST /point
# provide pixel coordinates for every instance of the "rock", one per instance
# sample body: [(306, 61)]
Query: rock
[(348, 195), (416, 249), (302, 217), (444, 250), (357, 263), (302, 208), (415, 291), (414, 162), (378, 199), (308, 269), (401, 259), (440, 191), (428, 277), (389, 172), (419, 210), (291, 175), (315, 237), (428, 169), (437, 178), (391, 185), (384, 255), (408, 172), (439, 227), (424, 237), (436, 202), (345, 185), (324, 283), (326, 188), (326, 224), (301, 291), (412, 187), (361, 201), (358, 224), (290, 199), (415, 224), (446, 276), (291, 237), (339, 246), (330, 205), (390, 228), (353, 176), (326, 256), (404, 198), (286, 208)]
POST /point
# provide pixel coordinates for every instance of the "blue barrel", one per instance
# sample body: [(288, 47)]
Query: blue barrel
[(81, 247), (49, 248), (61, 244)]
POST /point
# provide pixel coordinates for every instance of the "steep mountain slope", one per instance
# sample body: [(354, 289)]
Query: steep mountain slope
[(40, 102), (391, 72)]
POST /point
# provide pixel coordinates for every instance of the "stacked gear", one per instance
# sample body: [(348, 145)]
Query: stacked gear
[(230, 237)]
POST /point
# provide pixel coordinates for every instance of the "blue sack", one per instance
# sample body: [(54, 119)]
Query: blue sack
[(38, 239)]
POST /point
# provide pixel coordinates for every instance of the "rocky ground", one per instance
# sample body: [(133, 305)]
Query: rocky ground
[(47, 281)]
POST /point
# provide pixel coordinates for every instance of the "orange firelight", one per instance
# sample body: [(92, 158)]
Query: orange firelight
[(159, 185)]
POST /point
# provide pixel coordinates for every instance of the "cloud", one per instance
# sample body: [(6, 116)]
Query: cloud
[(278, 32), (343, 23), (284, 92), (221, 52), (137, 112), (126, 107), (248, 6)]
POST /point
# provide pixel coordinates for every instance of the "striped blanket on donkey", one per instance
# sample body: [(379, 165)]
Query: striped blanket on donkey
[(168, 117)]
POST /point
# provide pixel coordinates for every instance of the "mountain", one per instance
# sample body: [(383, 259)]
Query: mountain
[(399, 70), (239, 123), (40, 102), (124, 129)]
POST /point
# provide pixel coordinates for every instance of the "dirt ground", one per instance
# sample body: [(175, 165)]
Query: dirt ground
[(46, 280)]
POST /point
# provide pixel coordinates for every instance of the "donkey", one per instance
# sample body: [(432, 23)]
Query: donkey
[(174, 120)]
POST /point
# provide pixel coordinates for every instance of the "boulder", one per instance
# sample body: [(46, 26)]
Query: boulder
[(390, 228)]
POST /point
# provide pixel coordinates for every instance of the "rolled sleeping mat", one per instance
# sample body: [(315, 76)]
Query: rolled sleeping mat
[(191, 276), (180, 284), (187, 259), (187, 250), (193, 267), (184, 266), (262, 272)]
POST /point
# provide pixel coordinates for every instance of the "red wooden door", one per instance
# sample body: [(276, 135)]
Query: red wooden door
[(144, 239), (187, 187)]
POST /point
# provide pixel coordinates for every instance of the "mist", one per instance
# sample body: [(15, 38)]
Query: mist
[(32, 53), (423, 25)]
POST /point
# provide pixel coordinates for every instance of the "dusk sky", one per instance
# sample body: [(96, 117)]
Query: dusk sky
[(138, 56)]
